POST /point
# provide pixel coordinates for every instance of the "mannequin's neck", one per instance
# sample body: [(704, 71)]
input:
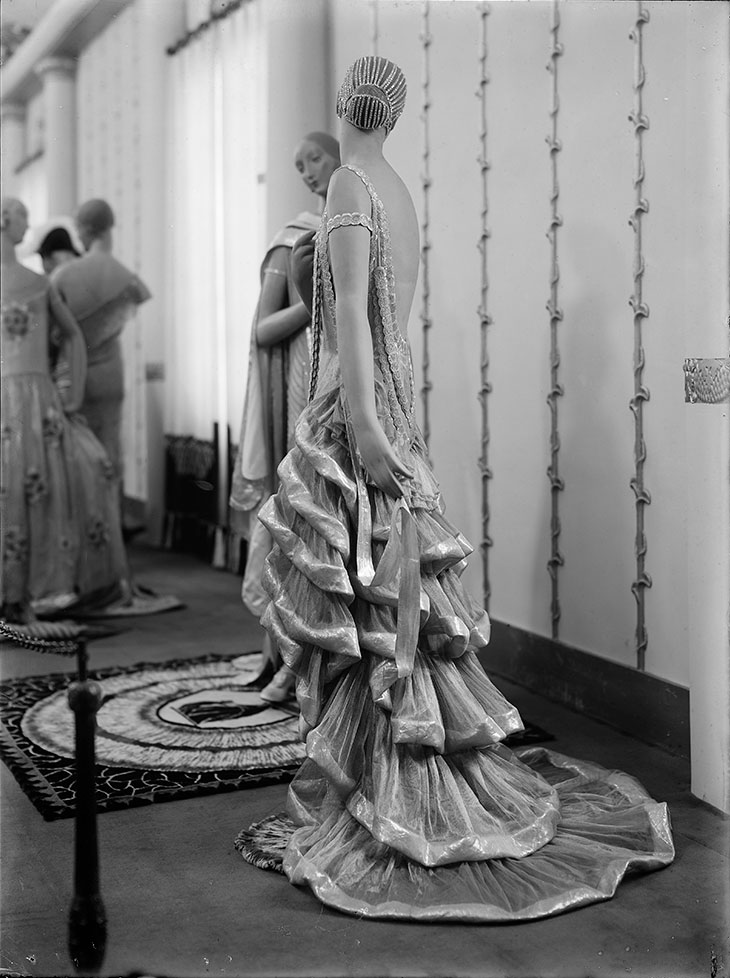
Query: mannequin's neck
[(361, 148), (101, 245)]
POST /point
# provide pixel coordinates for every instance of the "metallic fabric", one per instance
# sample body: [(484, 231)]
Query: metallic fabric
[(408, 804)]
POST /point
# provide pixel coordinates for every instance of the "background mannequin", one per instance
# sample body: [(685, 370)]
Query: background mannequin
[(276, 392), (60, 536)]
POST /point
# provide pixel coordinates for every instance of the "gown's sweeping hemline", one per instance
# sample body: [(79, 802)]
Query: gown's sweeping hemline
[(408, 805), (583, 863)]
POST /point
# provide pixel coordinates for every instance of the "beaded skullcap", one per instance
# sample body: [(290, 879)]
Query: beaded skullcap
[(373, 94)]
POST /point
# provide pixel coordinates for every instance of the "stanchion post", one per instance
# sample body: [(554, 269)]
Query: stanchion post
[(87, 917)]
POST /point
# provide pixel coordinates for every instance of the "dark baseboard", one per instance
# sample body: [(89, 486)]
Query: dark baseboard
[(650, 709)]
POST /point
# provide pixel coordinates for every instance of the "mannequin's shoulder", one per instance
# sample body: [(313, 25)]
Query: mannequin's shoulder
[(347, 193), (19, 282)]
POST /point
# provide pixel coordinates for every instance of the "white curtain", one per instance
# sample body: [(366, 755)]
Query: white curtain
[(215, 216)]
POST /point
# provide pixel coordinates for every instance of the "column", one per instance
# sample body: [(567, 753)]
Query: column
[(59, 100), (12, 143)]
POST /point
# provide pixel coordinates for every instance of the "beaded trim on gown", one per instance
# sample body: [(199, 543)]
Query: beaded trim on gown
[(408, 805)]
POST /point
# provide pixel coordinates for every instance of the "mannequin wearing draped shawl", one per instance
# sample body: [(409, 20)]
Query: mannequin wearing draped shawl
[(61, 538), (276, 391)]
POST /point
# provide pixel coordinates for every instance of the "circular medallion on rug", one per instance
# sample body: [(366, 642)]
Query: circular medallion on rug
[(199, 717), (166, 730)]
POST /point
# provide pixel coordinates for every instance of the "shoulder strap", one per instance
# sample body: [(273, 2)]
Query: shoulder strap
[(362, 175), (375, 225)]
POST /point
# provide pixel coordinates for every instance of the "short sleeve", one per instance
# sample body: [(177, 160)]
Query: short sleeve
[(349, 220)]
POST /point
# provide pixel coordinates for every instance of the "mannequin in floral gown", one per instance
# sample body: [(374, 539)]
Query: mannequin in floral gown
[(408, 805), (60, 536)]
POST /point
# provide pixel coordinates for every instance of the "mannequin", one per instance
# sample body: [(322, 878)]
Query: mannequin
[(61, 538), (408, 804), (56, 249), (276, 393), (102, 295)]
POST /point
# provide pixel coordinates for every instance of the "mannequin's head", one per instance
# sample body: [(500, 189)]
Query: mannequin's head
[(56, 249), (372, 95), (13, 219), (94, 220), (316, 158)]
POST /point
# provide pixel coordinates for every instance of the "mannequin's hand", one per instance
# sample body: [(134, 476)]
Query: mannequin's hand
[(302, 264), (382, 464)]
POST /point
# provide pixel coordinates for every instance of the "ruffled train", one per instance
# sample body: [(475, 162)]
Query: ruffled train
[(408, 804)]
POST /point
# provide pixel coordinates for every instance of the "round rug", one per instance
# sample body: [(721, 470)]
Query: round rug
[(196, 717)]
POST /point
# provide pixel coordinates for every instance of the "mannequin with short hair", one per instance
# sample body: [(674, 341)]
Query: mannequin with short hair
[(102, 295)]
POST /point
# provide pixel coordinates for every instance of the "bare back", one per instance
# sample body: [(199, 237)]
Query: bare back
[(404, 236), (402, 221)]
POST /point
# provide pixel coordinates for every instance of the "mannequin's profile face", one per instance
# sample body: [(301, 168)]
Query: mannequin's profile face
[(315, 166), (14, 220)]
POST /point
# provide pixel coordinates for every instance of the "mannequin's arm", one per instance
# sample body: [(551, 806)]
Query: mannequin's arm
[(277, 320)]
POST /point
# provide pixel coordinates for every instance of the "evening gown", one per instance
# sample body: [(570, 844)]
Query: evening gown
[(408, 804), (60, 534)]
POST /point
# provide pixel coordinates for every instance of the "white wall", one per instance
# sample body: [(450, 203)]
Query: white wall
[(685, 246), (297, 99)]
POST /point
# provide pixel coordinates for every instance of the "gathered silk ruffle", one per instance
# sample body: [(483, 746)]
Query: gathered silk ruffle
[(408, 804)]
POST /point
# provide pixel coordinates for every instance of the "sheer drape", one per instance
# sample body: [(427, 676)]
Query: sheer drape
[(215, 210)]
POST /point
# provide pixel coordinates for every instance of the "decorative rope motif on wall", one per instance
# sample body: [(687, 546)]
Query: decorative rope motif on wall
[(374, 28), (485, 320), (426, 41), (706, 381), (556, 315), (641, 312)]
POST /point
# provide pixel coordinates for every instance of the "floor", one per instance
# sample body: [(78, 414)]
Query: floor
[(181, 902)]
